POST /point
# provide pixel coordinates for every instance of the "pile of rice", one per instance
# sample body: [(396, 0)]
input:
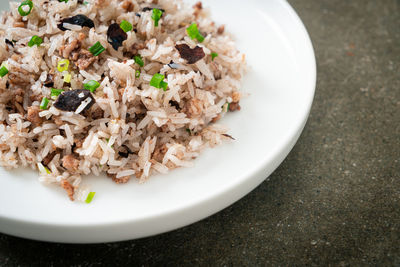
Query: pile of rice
[(133, 129)]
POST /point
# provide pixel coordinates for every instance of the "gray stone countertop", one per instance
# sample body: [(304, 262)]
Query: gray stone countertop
[(334, 201)]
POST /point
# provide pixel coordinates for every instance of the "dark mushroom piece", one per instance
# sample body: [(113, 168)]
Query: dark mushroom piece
[(80, 20), (145, 9), (9, 42), (191, 55), (116, 36), (72, 100)]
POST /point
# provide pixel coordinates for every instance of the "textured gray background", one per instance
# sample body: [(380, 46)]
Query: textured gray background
[(336, 198)]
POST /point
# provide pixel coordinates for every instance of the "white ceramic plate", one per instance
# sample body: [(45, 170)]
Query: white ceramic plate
[(281, 81)]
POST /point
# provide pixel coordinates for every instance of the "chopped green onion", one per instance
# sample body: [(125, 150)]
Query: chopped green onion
[(156, 16), (126, 26), (66, 1), (97, 49), (35, 40), (158, 81), (91, 85), (189, 131), (213, 56), (90, 197), (137, 74), (194, 33), (164, 85), (22, 9), (139, 60), (43, 169), (85, 3), (67, 77), (63, 65), (3, 70), (55, 92), (44, 103)]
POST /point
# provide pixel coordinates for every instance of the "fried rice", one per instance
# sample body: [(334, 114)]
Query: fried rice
[(128, 88)]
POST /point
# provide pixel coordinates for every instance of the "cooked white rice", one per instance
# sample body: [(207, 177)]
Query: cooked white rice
[(133, 129)]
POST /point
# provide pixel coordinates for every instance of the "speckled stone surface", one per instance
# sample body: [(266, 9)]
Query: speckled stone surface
[(334, 201)]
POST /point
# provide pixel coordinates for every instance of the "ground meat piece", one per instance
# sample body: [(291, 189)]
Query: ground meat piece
[(128, 6), (83, 58), (221, 29), (122, 180), (191, 55), (58, 121), (79, 142), (136, 47), (69, 188), (19, 24), (236, 97), (197, 8), (65, 51), (19, 95), (4, 147), (234, 106), (70, 163), (159, 153), (193, 108), (215, 119), (33, 115), (97, 114), (34, 98)]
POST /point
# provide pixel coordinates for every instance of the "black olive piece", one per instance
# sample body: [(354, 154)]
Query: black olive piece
[(191, 55), (174, 104), (7, 84), (80, 1), (49, 81), (138, 15), (173, 65), (116, 36), (145, 9), (71, 100), (9, 42), (127, 153), (80, 20)]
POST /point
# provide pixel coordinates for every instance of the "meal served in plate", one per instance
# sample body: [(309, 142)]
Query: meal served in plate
[(128, 88)]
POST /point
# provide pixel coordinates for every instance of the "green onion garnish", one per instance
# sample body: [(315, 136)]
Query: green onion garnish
[(194, 33), (90, 197), (164, 85), (91, 85), (158, 82), (35, 40), (3, 71), (126, 26), (63, 65), (97, 49), (55, 92), (85, 3), (23, 8), (66, 1), (139, 60), (213, 56), (43, 169), (137, 74), (67, 77), (156, 16), (44, 103)]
